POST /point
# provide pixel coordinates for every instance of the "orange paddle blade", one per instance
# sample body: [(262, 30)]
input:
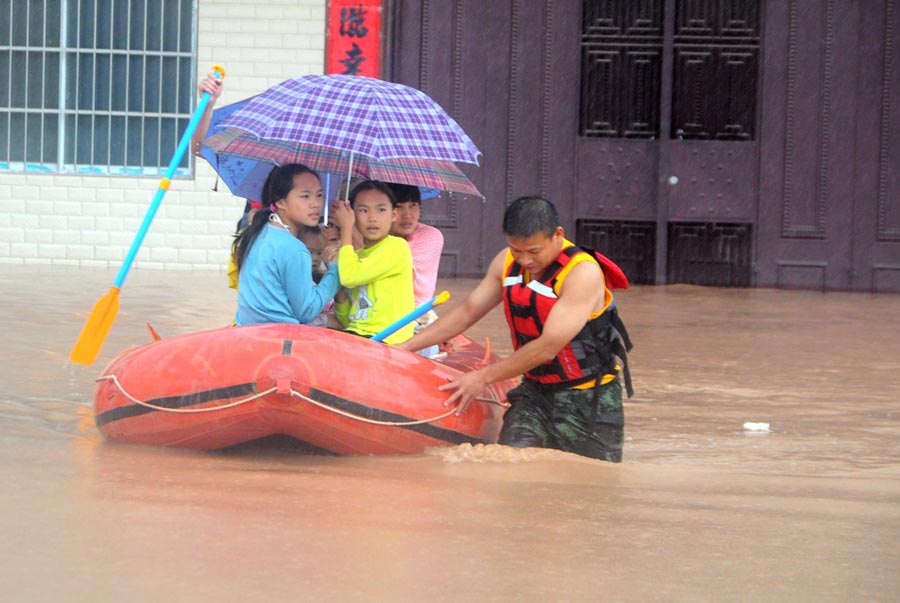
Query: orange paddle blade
[(96, 328)]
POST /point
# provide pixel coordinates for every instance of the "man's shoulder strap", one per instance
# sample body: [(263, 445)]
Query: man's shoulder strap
[(615, 276)]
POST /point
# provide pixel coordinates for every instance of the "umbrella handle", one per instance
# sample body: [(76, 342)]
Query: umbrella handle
[(399, 324), (165, 181), (327, 197), (349, 178)]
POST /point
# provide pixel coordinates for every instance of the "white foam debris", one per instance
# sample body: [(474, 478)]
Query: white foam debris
[(748, 426)]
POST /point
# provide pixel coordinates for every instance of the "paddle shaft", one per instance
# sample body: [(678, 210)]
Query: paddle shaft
[(161, 190), (402, 322)]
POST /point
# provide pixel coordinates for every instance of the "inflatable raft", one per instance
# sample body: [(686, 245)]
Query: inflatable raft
[(331, 390)]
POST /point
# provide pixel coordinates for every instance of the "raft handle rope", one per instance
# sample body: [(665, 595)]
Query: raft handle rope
[(343, 413), (294, 393), (255, 396)]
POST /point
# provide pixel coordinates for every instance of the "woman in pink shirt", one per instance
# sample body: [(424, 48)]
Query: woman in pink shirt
[(426, 242)]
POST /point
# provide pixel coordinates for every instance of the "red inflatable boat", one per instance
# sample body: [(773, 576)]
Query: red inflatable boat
[(331, 390)]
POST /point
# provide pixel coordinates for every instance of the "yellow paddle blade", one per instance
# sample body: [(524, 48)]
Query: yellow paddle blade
[(96, 328)]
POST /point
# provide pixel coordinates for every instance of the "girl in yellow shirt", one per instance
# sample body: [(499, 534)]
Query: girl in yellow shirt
[(379, 275)]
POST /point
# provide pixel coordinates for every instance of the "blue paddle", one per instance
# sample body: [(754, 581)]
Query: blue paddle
[(399, 324), (107, 307)]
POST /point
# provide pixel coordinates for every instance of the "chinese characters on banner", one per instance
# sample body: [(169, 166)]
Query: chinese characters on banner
[(354, 37)]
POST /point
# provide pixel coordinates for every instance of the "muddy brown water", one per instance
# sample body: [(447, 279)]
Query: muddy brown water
[(701, 510)]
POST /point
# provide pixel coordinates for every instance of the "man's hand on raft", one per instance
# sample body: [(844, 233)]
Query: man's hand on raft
[(466, 388)]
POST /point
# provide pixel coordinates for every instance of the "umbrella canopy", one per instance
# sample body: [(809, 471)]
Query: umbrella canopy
[(244, 162), (378, 119), (244, 159)]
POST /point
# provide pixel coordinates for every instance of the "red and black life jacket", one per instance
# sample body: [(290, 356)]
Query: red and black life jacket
[(592, 352)]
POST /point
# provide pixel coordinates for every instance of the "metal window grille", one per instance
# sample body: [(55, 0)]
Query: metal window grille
[(621, 63), (95, 86), (630, 244), (716, 254), (714, 71)]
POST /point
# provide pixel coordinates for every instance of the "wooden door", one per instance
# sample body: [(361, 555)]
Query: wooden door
[(667, 154), (875, 232), (449, 49), (718, 142), (829, 177)]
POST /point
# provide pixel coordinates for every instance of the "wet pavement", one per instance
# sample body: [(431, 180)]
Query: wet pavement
[(701, 509)]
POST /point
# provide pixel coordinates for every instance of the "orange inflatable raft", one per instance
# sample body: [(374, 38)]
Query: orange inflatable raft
[(331, 390)]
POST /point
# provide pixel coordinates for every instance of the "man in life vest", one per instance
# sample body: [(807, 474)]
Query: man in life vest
[(570, 345)]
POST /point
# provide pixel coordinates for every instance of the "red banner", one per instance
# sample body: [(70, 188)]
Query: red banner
[(354, 37)]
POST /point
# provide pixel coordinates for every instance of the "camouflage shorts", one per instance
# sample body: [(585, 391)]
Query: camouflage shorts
[(567, 420)]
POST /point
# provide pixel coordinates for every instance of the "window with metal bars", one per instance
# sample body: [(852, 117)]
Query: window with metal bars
[(95, 86), (621, 65), (714, 72)]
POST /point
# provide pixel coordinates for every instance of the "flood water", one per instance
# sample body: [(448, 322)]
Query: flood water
[(700, 510)]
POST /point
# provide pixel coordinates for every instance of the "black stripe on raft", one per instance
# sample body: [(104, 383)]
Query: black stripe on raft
[(286, 347), (375, 414), (185, 401), (245, 389)]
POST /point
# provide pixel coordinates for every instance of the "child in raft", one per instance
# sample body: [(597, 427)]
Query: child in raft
[(275, 282), (250, 209), (331, 233), (379, 274), (314, 239)]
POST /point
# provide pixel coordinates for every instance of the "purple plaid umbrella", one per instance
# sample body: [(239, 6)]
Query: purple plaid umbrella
[(243, 162), (371, 117), (351, 125)]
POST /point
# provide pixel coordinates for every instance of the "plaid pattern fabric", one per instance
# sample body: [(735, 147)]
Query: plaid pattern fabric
[(238, 155), (379, 119), (442, 175)]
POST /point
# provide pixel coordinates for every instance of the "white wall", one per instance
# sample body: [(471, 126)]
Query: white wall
[(92, 221)]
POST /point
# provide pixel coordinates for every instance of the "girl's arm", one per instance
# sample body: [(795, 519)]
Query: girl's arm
[(213, 85), (306, 298)]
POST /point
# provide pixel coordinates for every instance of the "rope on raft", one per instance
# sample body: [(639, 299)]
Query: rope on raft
[(255, 396), (294, 393), (372, 421)]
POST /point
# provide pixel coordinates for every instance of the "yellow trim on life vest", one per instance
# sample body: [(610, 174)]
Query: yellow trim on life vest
[(607, 296), (584, 257), (507, 262), (606, 379), (561, 276)]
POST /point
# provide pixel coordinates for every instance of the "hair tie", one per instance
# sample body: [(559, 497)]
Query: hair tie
[(272, 207)]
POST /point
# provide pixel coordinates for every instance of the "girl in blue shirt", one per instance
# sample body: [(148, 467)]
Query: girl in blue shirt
[(275, 283)]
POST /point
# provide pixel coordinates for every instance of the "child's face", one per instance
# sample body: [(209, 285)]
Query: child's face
[(316, 246), (408, 214), (303, 204), (315, 242), (374, 215), (332, 233)]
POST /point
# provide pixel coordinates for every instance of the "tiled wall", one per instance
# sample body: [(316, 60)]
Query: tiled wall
[(92, 221)]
